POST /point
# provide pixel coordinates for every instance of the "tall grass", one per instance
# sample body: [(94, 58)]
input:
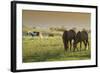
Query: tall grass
[(36, 49)]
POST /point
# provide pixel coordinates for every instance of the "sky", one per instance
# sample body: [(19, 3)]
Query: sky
[(46, 19)]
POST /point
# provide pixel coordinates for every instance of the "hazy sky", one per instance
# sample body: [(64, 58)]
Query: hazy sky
[(45, 19)]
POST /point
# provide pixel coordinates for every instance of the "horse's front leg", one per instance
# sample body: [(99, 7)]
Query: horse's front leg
[(80, 46), (70, 45), (65, 45)]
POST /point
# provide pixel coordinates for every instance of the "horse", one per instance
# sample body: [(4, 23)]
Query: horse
[(68, 36), (81, 36), (33, 34)]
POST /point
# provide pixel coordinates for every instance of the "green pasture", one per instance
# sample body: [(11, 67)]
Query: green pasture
[(35, 49)]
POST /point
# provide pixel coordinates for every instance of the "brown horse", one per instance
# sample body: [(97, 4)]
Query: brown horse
[(68, 36), (81, 36)]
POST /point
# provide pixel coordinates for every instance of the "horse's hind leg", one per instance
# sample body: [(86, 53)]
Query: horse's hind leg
[(87, 44)]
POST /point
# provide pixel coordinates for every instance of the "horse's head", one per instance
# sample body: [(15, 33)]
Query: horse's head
[(76, 39), (74, 44)]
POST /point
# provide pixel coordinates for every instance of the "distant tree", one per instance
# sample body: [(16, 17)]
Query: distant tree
[(60, 28), (74, 28), (34, 27), (57, 28), (51, 28), (89, 30), (84, 29)]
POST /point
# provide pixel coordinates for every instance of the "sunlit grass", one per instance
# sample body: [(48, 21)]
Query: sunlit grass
[(36, 49)]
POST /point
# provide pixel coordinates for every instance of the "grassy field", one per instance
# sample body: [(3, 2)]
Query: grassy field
[(36, 49)]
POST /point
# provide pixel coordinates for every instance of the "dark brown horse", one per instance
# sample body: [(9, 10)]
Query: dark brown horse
[(81, 36), (68, 36)]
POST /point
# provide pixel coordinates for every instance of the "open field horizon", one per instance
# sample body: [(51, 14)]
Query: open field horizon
[(46, 19)]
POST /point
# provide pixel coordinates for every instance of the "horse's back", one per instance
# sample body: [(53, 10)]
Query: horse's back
[(78, 35), (72, 34), (65, 34), (84, 35), (69, 35)]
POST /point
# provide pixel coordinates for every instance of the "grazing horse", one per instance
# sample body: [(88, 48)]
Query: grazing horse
[(81, 36), (68, 36)]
